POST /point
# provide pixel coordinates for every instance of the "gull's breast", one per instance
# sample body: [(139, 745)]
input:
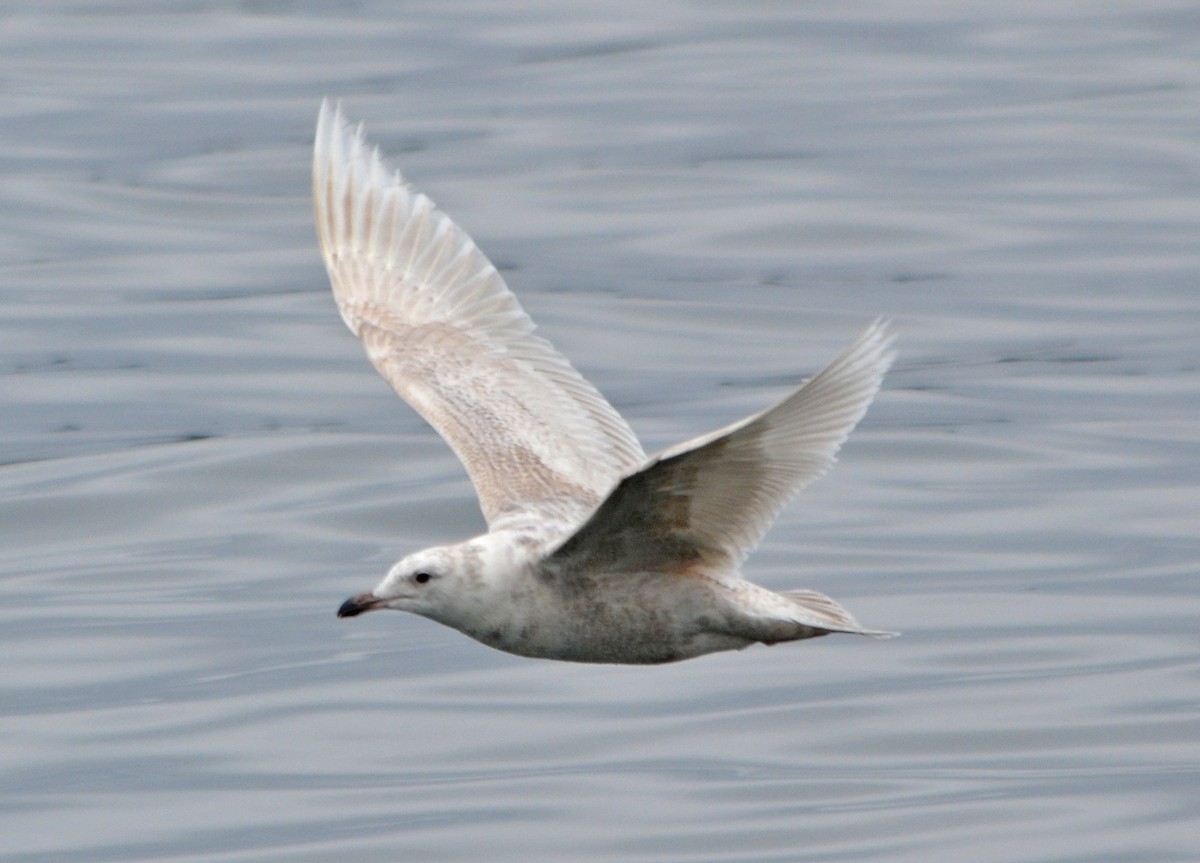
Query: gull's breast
[(629, 618)]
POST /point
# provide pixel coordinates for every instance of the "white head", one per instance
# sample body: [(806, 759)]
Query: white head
[(422, 583)]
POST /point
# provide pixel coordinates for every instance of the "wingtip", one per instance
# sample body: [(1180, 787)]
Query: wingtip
[(328, 117), (336, 143), (870, 356), (882, 335), (330, 110)]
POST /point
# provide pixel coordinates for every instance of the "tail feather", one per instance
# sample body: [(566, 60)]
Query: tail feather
[(820, 612)]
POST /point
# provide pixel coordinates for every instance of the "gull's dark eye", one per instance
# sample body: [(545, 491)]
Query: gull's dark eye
[(422, 577)]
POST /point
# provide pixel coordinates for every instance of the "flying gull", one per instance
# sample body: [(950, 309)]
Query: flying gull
[(594, 552)]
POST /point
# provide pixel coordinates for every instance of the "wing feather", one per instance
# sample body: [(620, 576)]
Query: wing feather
[(444, 330), (709, 501)]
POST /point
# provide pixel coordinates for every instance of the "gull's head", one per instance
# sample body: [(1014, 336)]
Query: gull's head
[(421, 583)]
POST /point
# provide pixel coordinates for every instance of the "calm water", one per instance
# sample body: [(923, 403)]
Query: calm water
[(700, 203)]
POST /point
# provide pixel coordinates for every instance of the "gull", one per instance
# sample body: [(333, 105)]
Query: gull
[(594, 552)]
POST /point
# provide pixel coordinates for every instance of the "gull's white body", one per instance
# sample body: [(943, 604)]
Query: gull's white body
[(594, 553)]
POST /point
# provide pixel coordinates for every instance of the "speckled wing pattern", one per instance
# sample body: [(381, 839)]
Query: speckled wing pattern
[(706, 503), (444, 330)]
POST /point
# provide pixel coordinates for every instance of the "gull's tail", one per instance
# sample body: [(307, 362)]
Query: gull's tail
[(818, 611)]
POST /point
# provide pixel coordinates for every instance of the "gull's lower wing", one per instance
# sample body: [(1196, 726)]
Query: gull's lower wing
[(707, 502), (440, 325)]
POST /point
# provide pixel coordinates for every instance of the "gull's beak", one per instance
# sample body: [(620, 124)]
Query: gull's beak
[(358, 604)]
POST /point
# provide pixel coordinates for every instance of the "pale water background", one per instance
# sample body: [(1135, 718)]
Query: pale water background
[(700, 202)]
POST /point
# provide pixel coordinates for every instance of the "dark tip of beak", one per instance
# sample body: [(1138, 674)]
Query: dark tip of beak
[(356, 605)]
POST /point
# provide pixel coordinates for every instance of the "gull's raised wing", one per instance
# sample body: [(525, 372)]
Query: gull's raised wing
[(440, 325), (706, 503)]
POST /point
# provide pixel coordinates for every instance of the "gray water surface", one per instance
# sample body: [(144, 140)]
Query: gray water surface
[(700, 203)]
